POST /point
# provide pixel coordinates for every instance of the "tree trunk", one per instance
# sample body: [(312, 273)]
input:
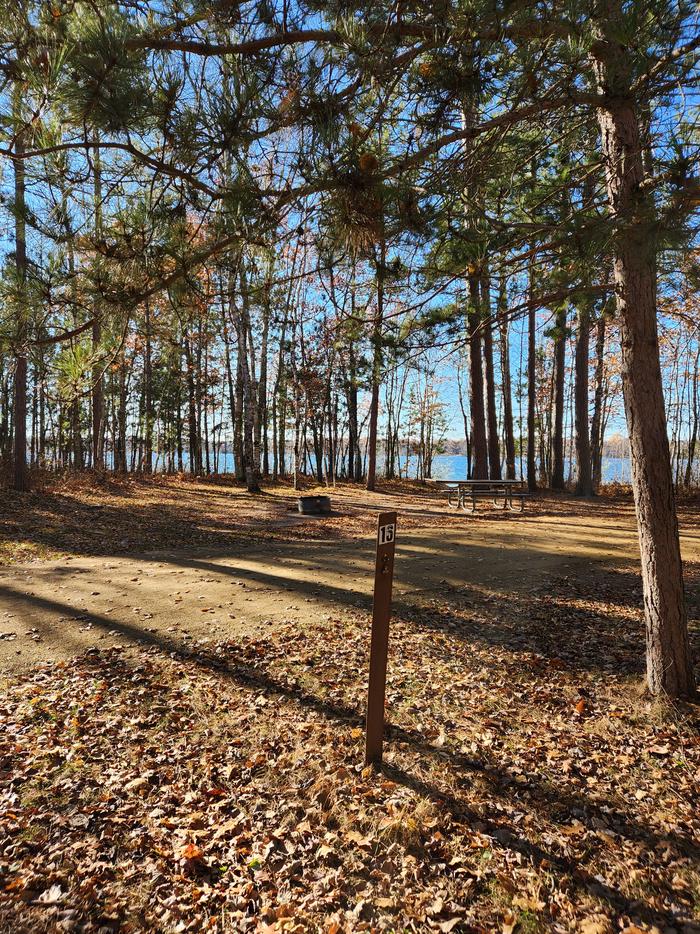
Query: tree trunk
[(20, 387), (229, 375), (531, 388), (262, 382), (669, 667), (559, 374), (597, 420), (238, 418), (584, 480), (693, 440), (506, 382), (376, 372), (148, 395), (463, 399), (491, 413), (249, 448), (480, 467), (279, 407), (354, 454), (76, 437), (97, 394), (120, 454), (192, 433)]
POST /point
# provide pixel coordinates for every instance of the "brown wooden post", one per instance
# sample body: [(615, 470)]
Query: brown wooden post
[(383, 580)]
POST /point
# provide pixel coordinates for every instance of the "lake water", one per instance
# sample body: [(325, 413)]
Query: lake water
[(454, 467), (445, 466)]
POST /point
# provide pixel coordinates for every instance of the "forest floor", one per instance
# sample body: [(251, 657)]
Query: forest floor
[(183, 672)]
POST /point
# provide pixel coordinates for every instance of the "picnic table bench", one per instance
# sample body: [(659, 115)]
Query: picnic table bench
[(460, 492)]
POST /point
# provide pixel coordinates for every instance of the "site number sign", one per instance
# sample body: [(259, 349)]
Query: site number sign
[(379, 646)]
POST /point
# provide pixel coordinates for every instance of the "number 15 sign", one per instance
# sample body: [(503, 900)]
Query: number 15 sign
[(381, 611)]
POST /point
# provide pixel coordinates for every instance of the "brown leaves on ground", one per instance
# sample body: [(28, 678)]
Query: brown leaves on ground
[(221, 788), (201, 786), (91, 514), (107, 514)]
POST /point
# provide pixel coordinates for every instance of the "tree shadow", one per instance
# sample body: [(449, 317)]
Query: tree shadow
[(236, 664), (569, 871), (588, 617), (598, 638)]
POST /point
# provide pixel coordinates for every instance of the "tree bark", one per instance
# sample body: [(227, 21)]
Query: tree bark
[(669, 667), (494, 451), (598, 401), (238, 417), (279, 407), (584, 480), (531, 388), (120, 463), (192, 431), (480, 467), (97, 395), (242, 324), (506, 387), (559, 374), (262, 382), (147, 395), (20, 387), (693, 440), (376, 372)]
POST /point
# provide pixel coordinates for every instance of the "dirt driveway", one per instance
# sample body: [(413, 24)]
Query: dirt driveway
[(54, 609)]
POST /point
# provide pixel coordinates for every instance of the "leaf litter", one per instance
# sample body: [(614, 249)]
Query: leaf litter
[(221, 786)]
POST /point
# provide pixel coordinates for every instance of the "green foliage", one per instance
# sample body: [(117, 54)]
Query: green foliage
[(103, 83)]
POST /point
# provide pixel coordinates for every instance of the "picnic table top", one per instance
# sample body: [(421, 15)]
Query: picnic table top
[(475, 482)]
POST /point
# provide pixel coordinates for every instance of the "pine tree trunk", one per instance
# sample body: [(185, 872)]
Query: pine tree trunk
[(5, 428), (373, 420), (97, 395), (279, 408), (97, 401), (354, 455), (148, 395), (531, 388), (598, 401), (559, 374), (480, 467), (76, 437), (120, 455), (229, 376), (669, 667), (197, 358), (376, 372), (20, 383), (42, 415), (192, 433), (463, 405), (693, 440), (238, 419), (584, 481), (296, 467), (250, 465), (262, 383), (494, 451), (506, 387), (205, 405)]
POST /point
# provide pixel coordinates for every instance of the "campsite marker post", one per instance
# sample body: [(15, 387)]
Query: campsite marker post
[(381, 611)]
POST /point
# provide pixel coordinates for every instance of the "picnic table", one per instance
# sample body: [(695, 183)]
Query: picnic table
[(459, 492)]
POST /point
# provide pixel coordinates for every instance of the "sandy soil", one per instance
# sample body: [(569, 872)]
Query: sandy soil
[(288, 569)]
